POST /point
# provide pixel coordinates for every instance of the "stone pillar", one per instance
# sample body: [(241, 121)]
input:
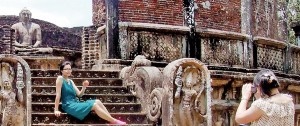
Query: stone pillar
[(112, 29), (189, 20)]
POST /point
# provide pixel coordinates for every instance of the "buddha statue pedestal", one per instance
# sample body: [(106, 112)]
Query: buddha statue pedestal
[(43, 62), (33, 51)]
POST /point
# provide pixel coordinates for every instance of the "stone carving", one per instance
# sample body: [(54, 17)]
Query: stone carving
[(13, 109), (141, 79), (127, 72), (178, 82), (28, 35), (190, 104), (154, 112), (101, 30), (220, 121), (185, 102)]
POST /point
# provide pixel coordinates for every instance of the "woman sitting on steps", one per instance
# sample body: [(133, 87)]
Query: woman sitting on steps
[(66, 91)]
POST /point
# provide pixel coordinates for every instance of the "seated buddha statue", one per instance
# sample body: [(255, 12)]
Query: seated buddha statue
[(28, 35)]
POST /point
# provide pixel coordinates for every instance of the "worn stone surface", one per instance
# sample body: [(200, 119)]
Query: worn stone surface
[(15, 92), (99, 12)]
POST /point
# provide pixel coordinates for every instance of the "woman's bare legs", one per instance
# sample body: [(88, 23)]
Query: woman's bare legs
[(102, 106), (102, 113)]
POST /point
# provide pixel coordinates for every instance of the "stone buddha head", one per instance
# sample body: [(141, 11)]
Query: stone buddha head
[(25, 15)]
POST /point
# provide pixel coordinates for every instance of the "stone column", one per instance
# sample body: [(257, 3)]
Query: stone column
[(112, 29)]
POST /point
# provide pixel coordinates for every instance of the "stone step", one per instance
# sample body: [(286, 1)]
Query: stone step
[(105, 98), (90, 125), (89, 90), (92, 118), (111, 107), (76, 73), (129, 62), (50, 81), (104, 85)]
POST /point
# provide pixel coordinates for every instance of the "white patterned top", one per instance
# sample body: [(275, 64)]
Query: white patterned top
[(275, 114)]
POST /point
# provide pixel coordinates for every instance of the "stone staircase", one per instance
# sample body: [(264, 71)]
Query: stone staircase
[(104, 85)]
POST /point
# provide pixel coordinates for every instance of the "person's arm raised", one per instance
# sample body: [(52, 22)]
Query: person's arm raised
[(81, 92), (84, 85), (244, 115)]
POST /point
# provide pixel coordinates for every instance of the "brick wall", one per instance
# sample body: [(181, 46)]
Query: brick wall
[(219, 14), (167, 12), (224, 15)]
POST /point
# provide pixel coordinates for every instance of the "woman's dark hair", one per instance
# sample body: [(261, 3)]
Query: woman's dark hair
[(62, 66), (266, 80)]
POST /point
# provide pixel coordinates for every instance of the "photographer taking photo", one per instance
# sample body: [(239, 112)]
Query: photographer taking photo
[(271, 108)]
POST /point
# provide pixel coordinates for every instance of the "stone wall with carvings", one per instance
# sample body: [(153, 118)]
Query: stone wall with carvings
[(270, 53)]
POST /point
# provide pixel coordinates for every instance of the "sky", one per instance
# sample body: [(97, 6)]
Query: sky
[(63, 13)]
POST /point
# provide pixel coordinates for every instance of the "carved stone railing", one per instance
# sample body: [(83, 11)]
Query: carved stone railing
[(295, 59), (155, 41), (222, 48), (167, 43), (269, 53), (15, 87)]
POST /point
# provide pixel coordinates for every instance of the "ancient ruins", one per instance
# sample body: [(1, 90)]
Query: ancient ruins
[(159, 62)]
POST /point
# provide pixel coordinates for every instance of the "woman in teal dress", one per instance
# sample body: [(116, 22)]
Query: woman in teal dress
[(67, 92)]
